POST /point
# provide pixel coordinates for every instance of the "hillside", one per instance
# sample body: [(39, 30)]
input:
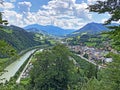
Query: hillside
[(91, 28), (96, 40), (17, 37), (49, 29)]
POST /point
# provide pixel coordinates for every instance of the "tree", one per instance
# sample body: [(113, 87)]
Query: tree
[(51, 70), (5, 22), (92, 84), (54, 70), (6, 50), (111, 76), (110, 6), (108, 78)]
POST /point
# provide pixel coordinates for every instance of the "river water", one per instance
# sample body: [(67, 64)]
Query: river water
[(14, 67)]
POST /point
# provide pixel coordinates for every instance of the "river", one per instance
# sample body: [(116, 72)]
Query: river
[(14, 67)]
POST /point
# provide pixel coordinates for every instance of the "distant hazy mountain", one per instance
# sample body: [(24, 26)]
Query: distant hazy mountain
[(91, 28), (49, 29)]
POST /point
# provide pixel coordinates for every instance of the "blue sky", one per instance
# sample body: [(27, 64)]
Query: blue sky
[(68, 14)]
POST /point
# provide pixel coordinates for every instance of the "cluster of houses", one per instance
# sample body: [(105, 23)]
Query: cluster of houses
[(91, 53)]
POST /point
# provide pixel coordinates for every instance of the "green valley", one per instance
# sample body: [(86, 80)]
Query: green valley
[(14, 40), (59, 45)]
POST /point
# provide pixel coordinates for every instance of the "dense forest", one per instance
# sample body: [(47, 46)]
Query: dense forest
[(20, 39)]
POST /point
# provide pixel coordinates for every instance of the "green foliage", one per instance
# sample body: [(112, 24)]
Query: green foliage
[(6, 50), (90, 44), (97, 41), (115, 36), (42, 39), (92, 84), (112, 77), (25, 81), (110, 6), (108, 78), (89, 70), (2, 63), (17, 37), (9, 31), (54, 70), (12, 86), (51, 69)]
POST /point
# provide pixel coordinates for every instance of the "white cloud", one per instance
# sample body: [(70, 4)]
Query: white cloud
[(63, 13), (69, 23), (24, 6), (93, 1), (7, 5), (13, 17), (68, 7), (103, 20), (81, 11)]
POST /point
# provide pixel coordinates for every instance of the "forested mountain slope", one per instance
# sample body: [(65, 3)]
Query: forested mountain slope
[(17, 37), (90, 28)]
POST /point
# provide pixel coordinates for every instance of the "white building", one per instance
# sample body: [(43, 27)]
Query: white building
[(107, 60)]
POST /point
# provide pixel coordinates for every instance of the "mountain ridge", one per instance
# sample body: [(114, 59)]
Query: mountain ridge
[(91, 28), (49, 29)]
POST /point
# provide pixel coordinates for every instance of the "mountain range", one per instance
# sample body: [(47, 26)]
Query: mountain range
[(49, 30), (91, 28)]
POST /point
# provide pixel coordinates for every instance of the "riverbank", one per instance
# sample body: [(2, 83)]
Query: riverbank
[(4, 62), (14, 67)]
